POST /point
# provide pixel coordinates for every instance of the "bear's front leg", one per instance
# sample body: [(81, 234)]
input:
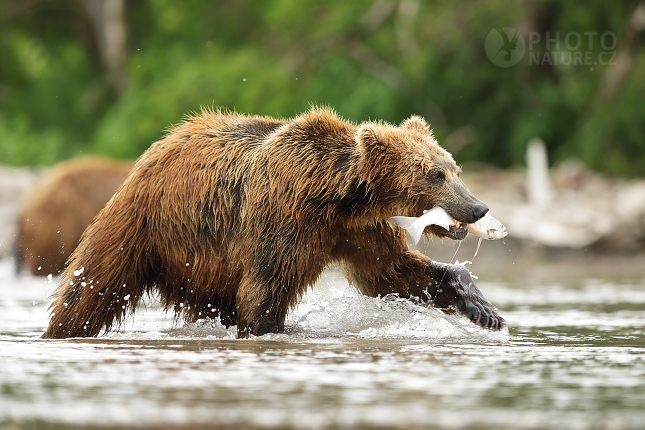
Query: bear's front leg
[(451, 286), (380, 263)]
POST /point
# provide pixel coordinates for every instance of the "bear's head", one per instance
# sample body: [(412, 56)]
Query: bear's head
[(409, 172)]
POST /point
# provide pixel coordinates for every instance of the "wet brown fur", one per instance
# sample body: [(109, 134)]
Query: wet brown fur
[(55, 212), (236, 216)]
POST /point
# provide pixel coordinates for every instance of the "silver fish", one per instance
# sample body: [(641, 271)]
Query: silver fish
[(487, 227)]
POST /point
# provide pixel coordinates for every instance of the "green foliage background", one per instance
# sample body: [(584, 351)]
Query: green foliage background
[(368, 59)]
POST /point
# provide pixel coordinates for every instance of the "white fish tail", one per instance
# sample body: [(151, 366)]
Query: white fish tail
[(407, 223)]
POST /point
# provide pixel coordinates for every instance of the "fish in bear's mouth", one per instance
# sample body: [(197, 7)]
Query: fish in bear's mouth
[(486, 227)]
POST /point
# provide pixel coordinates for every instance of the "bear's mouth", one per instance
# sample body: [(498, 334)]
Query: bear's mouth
[(448, 226), (436, 221), (456, 231), (459, 231)]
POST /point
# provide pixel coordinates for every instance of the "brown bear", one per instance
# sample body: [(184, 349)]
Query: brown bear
[(235, 216), (54, 214)]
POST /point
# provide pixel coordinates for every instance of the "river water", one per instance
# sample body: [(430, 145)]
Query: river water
[(572, 358)]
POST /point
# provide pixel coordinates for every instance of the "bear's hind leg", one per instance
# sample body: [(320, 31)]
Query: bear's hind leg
[(261, 308), (83, 307)]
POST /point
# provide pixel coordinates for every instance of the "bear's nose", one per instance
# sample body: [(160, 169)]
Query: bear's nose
[(479, 211)]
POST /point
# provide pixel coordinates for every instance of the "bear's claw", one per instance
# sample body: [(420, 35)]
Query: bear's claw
[(456, 289), (482, 314)]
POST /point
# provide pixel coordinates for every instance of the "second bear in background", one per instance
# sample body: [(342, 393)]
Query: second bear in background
[(54, 214)]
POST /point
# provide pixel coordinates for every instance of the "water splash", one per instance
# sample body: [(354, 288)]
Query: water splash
[(354, 315), (349, 314)]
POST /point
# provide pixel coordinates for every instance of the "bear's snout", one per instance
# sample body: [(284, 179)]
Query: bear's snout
[(479, 211)]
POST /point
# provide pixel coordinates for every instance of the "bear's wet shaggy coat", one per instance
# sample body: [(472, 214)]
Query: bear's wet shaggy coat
[(233, 216)]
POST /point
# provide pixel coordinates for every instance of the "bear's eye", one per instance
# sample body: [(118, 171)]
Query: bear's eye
[(437, 176)]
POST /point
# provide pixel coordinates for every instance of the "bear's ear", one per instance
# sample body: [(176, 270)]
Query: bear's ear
[(368, 139), (372, 149), (417, 124)]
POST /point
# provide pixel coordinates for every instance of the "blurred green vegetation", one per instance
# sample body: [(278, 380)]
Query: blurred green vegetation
[(368, 59)]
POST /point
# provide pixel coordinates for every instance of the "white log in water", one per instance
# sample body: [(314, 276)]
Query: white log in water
[(538, 183)]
